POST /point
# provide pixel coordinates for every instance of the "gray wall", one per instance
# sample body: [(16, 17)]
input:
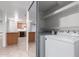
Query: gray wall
[(67, 18), (41, 21)]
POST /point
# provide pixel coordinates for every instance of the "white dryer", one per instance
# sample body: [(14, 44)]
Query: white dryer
[(61, 46)]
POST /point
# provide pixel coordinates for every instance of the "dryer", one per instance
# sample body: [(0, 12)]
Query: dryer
[(61, 46)]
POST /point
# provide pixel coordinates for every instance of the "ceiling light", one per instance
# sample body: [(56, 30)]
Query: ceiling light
[(16, 16)]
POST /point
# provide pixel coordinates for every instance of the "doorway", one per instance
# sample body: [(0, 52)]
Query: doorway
[(16, 38)]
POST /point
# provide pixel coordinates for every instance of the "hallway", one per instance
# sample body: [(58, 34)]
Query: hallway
[(18, 50), (32, 49)]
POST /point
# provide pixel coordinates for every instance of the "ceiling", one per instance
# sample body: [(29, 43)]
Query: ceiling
[(9, 8), (46, 5)]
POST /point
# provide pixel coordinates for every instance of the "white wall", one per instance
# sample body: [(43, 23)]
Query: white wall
[(2, 39), (1, 27), (71, 20), (32, 18), (67, 18), (12, 25), (3, 30)]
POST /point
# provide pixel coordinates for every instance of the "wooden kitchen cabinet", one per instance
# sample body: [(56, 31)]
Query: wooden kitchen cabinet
[(12, 38), (31, 36)]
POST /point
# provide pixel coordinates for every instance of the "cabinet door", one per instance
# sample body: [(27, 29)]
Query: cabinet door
[(31, 36), (58, 48), (12, 38)]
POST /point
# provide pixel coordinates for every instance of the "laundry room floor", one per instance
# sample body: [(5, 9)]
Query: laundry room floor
[(19, 50)]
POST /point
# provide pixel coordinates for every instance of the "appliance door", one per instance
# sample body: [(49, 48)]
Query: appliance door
[(58, 48)]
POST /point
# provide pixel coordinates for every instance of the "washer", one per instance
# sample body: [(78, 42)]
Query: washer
[(61, 46)]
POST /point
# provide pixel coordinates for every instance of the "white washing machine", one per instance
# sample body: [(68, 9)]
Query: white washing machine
[(61, 46)]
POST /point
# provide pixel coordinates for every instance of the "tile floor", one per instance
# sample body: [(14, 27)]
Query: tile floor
[(32, 49), (18, 50)]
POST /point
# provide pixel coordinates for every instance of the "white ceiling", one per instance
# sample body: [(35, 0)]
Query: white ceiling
[(10, 7)]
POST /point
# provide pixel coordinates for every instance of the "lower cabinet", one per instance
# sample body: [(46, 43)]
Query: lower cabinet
[(12, 38), (31, 36)]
